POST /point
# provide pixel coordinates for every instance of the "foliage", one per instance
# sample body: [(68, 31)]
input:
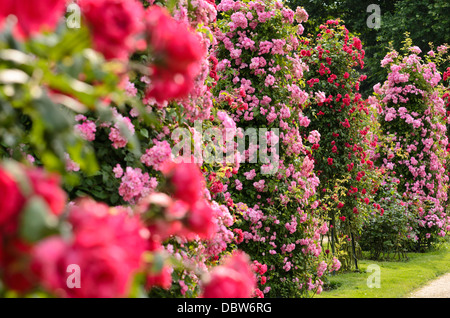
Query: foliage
[(389, 230)]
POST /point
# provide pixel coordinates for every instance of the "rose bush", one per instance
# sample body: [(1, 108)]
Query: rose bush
[(272, 185), (342, 157), (412, 119), (32, 20), (124, 21)]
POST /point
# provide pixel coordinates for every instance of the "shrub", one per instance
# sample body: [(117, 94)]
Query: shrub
[(389, 230)]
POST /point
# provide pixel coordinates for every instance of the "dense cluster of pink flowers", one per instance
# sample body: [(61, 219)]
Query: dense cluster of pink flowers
[(157, 155), (252, 65), (135, 184), (415, 124), (86, 128), (109, 243)]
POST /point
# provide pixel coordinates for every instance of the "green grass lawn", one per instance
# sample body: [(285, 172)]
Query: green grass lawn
[(397, 278)]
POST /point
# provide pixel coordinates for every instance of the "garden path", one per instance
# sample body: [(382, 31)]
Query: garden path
[(438, 288)]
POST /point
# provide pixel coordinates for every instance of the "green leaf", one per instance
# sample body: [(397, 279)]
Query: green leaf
[(144, 132), (157, 263), (84, 155), (52, 115), (137, 287), (36, 221)]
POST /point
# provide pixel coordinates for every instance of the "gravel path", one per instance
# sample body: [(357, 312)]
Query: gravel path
[(438, 288)]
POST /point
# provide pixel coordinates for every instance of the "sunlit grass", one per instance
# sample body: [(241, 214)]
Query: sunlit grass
[(398, 279)]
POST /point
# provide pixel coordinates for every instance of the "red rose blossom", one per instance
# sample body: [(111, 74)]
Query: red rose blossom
[(115, 25), (11, 202), (175, 45), (106, 244), (47, 186), (167, 85), (200, 220), (98, 225), (239, 236), (162, 279), (216, 187), (47, 262), (357, 43), (33, 18), (103, 272), (16, 274), (233, 279), (186, 179), (177, 52)]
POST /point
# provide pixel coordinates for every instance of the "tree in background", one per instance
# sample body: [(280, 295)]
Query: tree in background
[(425, 20)]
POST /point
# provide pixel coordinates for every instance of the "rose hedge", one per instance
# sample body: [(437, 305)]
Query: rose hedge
[(261, 85)]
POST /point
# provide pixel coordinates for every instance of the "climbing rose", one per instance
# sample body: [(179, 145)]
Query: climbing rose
[(162, 279), (45, 258), (107, 244), (157, 155), (301, 15), (175, 45), (200, 220), (13, 262), (357, 43), (87, 130), (167, 85)]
